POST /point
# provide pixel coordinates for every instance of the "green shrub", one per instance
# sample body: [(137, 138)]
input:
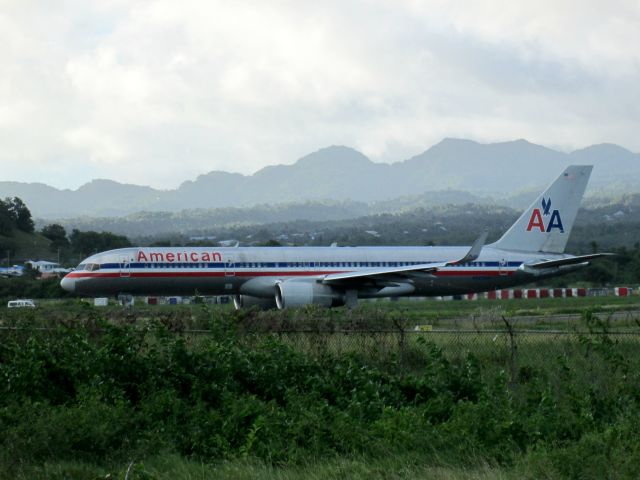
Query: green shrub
[(101, 391)]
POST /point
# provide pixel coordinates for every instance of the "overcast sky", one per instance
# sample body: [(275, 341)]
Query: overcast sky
[(157, 92)]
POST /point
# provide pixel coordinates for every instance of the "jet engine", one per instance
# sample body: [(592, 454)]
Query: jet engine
[(296, 293), (247, 301)]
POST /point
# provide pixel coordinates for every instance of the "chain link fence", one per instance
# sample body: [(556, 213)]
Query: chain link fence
[(596, 344), (598, 356)]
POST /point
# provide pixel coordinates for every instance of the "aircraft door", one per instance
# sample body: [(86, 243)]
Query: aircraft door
[(502, 267), (229, 267), (125, 266)]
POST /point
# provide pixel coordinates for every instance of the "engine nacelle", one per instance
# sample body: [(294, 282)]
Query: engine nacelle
[(297, 293), (247, 301)]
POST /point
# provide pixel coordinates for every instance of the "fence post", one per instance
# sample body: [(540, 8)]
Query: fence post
[(513, 360), (401, 342)]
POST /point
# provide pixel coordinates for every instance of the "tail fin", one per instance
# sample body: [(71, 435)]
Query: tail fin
[(545, 226)]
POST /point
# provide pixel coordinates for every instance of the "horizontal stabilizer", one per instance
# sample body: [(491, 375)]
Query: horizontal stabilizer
[(568, 261)]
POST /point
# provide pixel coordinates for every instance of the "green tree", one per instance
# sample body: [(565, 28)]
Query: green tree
[(21, 214), (160, 243), (7, 222), (271, 243), (58, 236), (92, 242)]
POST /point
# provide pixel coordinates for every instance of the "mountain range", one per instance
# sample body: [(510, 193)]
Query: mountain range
[(338, 173)]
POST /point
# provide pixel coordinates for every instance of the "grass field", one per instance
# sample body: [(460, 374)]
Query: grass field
[(411, 313), (547, 313), (172, 467), (196, 391)]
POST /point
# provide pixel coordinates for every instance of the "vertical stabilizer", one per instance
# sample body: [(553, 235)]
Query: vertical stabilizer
[(545, 226)]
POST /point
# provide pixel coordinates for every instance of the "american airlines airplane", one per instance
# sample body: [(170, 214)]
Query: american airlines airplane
[(285, 277)]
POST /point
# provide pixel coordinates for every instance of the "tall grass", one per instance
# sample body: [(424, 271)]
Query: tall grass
[(95, 396), (173, 467)]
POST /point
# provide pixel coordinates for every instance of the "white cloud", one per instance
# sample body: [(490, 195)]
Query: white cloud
[(156, 92)]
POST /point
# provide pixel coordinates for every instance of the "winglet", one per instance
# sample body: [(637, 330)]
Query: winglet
[(474, 251)]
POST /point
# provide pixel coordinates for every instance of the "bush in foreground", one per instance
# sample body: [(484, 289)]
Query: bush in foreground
[(130, 392)]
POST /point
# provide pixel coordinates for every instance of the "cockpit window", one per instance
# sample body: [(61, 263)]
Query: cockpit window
[(80, 267), (90, 267)]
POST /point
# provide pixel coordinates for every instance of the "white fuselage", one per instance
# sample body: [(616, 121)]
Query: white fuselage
[(255, 270)]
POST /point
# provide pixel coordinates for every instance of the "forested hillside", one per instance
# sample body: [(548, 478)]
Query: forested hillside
[(340, 173)]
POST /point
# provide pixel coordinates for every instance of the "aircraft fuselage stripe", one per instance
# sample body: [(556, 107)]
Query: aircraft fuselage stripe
[(249, 274)]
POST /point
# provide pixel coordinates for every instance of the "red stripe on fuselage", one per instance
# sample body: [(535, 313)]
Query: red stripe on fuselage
[(170, 274)]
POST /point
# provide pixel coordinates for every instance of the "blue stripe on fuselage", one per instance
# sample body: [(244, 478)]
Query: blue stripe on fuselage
[(302, 264)]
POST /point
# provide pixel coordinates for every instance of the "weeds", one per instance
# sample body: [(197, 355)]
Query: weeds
[(105, 392)]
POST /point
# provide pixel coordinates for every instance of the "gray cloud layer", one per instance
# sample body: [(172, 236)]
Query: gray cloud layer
[(156, 92)]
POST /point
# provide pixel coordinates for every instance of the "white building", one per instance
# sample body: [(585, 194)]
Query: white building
[(47, 268)]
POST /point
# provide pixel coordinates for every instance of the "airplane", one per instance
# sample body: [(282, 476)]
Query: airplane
[(286, 277)]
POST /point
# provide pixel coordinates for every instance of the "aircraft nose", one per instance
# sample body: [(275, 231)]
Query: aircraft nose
[(69, 284)]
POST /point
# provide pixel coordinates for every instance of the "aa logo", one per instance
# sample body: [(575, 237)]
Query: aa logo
[(537, 222)]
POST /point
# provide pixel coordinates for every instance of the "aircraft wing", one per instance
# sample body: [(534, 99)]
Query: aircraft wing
[(389, 272), (567, 261), (377, 274)]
